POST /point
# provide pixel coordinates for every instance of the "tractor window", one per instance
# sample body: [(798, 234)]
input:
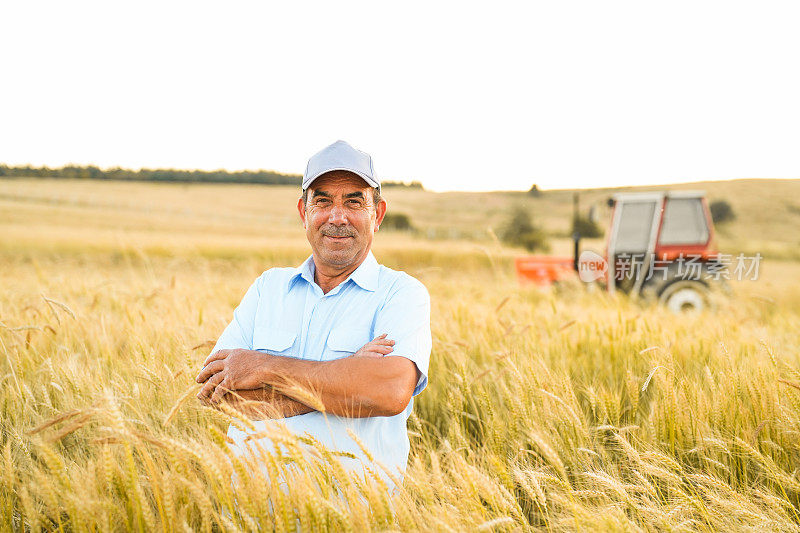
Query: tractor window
[(684, 222), (633, 232)]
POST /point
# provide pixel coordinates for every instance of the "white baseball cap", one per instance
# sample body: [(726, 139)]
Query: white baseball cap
[(341, 156)]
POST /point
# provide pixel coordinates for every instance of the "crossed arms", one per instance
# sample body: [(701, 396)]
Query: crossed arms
[(368, 383)]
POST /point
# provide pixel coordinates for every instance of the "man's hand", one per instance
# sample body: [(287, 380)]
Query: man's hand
[(239, 369), (226, 370), (362, 385), (377, 347)]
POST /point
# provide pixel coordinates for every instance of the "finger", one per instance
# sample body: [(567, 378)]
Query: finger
[(381, 342), (216, 356), (377, 351), (208, 388), (210, 370), (384, 336), (382, 349), (386, 342), (221, 390), (381, 336), (373, 345)]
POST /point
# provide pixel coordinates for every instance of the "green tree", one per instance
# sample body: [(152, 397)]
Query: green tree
[(520, 230), (397, 221), (585, 227), (721, 211)]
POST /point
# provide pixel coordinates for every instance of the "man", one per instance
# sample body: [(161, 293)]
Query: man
[(353, 332)]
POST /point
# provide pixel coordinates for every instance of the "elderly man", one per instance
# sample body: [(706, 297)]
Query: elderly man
[(354, 332)]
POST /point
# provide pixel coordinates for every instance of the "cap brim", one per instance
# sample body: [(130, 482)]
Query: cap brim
[(371, 182)]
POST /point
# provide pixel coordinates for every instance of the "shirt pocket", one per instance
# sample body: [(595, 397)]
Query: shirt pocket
[(343, 342), (274, 341)]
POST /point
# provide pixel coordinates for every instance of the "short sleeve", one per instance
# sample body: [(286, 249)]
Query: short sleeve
[(239, 332), (406, 319)]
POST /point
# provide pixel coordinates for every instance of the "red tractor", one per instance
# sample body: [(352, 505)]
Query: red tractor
[(659, 247)]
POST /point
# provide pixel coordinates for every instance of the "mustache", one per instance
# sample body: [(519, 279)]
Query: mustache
[(337, 231)]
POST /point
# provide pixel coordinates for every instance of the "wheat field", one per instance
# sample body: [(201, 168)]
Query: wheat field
[(561, 410)]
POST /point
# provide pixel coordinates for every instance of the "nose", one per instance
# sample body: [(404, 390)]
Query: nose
[(337, 215)]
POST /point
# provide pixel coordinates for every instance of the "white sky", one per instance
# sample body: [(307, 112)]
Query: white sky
[(460, 96)]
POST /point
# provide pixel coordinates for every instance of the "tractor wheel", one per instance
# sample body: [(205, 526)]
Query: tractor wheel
[(685, 296)]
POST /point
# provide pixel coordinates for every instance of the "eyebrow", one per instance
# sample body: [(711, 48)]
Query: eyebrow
[(357, 194)]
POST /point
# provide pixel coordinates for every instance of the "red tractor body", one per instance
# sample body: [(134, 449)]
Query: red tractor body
[(659, 244)]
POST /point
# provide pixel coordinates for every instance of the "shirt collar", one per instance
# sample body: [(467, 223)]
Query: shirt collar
[(305, 271), (365, 276)]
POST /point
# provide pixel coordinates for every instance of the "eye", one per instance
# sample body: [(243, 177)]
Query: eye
[(354, 202)]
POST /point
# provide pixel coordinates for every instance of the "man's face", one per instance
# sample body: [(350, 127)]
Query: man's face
[(340, 218)]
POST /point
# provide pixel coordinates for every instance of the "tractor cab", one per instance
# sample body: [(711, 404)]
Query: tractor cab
[(661, 245)]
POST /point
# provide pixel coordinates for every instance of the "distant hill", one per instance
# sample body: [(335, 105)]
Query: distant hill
[(262, 177), (265, 177), (767, 211)]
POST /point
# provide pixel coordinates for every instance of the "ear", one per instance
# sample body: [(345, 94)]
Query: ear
[(301, 208), (380, 212)]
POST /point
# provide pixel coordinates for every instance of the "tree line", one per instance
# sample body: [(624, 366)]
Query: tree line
[(90, 172)]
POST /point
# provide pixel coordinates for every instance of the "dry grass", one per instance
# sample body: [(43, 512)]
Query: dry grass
[(568, 410)]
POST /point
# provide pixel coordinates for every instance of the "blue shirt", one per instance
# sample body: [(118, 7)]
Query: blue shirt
[(284, 312)]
